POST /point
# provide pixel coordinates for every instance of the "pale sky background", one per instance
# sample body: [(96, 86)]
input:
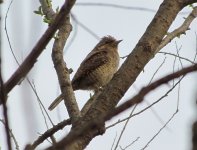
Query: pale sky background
[(26, 120)]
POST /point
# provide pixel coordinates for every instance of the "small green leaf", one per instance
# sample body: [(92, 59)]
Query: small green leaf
[(46, 20), (36, 12), (39, 11)]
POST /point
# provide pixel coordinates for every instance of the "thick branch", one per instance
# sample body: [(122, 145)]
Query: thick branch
[(62, 71)]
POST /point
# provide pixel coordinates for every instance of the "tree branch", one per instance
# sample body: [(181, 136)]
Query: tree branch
[(63, 72), (49, 133), (181, 30), (30, 60)]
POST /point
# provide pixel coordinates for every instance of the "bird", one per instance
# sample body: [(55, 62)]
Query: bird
[(97, 69)]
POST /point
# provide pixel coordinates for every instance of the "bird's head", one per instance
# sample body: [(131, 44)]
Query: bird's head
[(108, 41)]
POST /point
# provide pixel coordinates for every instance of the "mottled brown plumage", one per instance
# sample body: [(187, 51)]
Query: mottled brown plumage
[(97, 68)]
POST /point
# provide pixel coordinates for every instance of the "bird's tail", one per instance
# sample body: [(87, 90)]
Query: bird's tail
[(55, 102)]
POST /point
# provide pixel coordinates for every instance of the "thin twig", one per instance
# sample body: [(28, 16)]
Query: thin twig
[(130, 144), (40, 101), (157, 70), (116, 6), (177, 51), (173, 68), (159, 131), (85, 27), (40, 105), (114, 141), (120, 7), (6, 31), (178, 96), (124, 127), (147, 102), (12, 136), (171, 54)]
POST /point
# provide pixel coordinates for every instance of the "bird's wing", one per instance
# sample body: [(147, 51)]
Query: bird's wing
[(91, 62)]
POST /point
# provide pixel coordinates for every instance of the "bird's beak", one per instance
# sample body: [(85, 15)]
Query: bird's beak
[(118, 41)]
